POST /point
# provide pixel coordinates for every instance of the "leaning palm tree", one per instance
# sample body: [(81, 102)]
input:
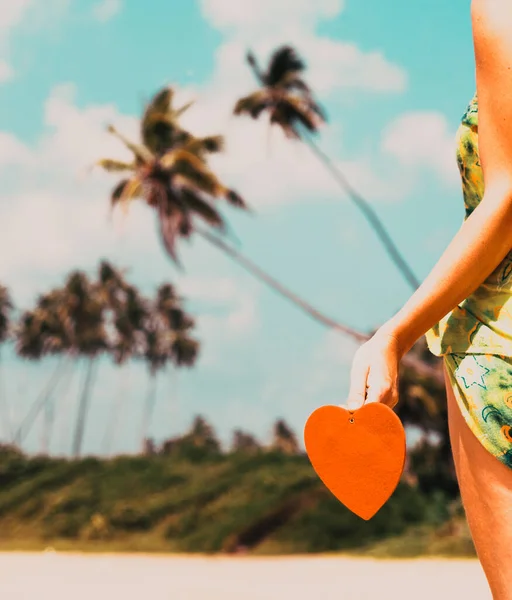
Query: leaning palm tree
[(168, 341), (43, 331), (170, 173), (86, 315), (174, 179), (289, 102), (127, 311)]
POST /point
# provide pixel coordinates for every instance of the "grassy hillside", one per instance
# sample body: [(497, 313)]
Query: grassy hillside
[(263, 503)]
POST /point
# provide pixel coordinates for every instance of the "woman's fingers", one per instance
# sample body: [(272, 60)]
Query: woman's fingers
[(373, 377), (381, 389), (358, 380)]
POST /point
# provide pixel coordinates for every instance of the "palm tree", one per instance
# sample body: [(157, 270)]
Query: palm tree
[(168, 340), (244, 442), (86, 315), (176, 181), (6, 308), (288, 100), (43, 331), (199, 442), (284, 439), (170, 173), (126, 311)]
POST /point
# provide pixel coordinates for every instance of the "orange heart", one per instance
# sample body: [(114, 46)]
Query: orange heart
[(359, 455)]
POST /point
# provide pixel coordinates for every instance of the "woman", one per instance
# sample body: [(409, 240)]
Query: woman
[(464, 307)]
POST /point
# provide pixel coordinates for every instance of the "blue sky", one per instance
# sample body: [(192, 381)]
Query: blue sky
[(394, 83)]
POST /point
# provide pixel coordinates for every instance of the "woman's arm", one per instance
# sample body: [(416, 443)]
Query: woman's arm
[(486, 236)]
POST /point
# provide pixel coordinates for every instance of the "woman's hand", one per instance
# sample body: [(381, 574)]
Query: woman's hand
[(374, 374)]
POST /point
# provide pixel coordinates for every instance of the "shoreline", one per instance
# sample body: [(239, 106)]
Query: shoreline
[(238, 557)]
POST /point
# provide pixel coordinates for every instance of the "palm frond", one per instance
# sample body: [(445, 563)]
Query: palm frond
[(290, 113), (205, 145), (159, 132), (198, 206), (192, 172), (115, 166), (254, 104), (179, 112), (235, 199), (253, 63), (170, 221), (292, 81), (185, 351), (161, 101), (141, 152), (318, 110), (126, 190), (283, 61), (159, 123)]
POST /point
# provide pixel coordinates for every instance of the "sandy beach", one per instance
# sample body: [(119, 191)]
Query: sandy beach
[(57, 576)]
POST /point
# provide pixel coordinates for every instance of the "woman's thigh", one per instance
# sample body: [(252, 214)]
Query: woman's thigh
[(486, 489)]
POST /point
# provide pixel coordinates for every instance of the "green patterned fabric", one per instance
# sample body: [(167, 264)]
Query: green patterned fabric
[(483, 322), (482, 384)]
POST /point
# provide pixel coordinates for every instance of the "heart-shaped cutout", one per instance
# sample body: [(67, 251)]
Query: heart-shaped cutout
[(359, 455)]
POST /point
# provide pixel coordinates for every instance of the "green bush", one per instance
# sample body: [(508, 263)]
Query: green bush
[(220, 503), (130, 518)]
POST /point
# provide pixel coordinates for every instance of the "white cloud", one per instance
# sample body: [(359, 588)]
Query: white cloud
[(268, 13), (12, 13), (423, 139), (12, 151), (336, 65), (332, 64), (106, 9)]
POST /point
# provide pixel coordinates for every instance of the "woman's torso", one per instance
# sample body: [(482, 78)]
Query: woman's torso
[(483, 322)]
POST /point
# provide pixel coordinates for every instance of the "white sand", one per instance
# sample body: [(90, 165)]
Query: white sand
[(56, 576)]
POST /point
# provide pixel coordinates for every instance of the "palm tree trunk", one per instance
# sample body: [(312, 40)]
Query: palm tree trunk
[(83, 408), (38, 405), (367, 211), (280, 288), (61, 417), (149, 407), (421, 368), (47, 424), (49, 412), (113, 420)]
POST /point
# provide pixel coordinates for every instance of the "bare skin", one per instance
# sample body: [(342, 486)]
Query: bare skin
[(481, 243), (486, 489)]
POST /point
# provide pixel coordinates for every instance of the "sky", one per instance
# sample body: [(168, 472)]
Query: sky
[(394, 83)]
